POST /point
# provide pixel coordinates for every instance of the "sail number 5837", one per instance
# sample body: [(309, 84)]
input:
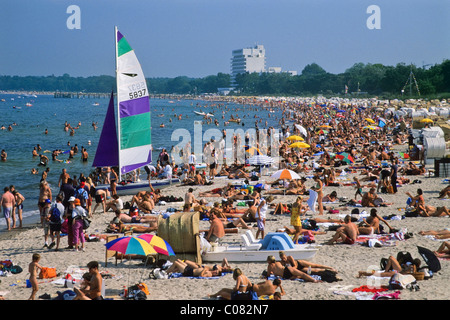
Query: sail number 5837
[(137, 90), (137, 94)]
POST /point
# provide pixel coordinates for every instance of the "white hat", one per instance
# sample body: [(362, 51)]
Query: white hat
[(71, 199)]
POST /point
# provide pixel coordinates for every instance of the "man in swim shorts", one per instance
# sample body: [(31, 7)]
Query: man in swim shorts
[(7, 202), (347, 233)]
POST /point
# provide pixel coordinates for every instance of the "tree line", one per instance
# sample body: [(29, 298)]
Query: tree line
[(370, 79)]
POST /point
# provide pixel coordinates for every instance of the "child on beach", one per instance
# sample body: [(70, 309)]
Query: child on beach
[(33, 269), (358, 187)]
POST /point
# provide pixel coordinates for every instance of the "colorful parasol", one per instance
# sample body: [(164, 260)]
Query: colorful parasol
[(160, 245), (252, 150), (345, 157), (404, 155), (130, 245), (322, 132), (285, 174), (299, 145), (296, 138)]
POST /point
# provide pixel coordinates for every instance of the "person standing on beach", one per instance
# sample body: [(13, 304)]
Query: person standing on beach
[(19, 205), (33, 269), (63, 177), (45, 193), (55, 218), (78, 214), (7, 202), (319, 189)]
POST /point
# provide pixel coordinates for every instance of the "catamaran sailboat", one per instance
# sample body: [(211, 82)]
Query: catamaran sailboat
[(125, 141)]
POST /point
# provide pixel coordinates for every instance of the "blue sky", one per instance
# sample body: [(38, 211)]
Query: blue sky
[(195, 38)]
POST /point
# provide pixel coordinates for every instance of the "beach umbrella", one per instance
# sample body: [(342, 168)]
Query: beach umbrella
[(160, 245), (345, 157), (299, 145), (426, 120), (325, 126), (404, 155), (322, 132), (369, 120), (430, 258), (296, 138), (252, 150), (285, 174), (381, 122), (130, 245), (339, 116), (301, 129)]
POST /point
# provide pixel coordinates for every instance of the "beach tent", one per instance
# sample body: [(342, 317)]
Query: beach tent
[(430, 258)]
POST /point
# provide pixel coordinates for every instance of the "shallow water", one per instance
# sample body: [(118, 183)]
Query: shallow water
[(47, 112)]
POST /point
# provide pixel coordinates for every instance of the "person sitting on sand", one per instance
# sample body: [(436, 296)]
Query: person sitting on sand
[(331, 197), (216, 230), (144, 201), (268, 288), (286, 272), (115, 204), (239, 292), (418, 202), (368, 198), (444, 192), (371, 225), (443, 251), (347, 233)]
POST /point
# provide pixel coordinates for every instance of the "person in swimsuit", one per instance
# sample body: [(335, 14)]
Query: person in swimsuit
[(347, 233), (239, 292), (319, 189), (286, 272), (190, 270)]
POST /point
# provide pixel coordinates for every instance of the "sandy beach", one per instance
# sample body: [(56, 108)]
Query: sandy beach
[(18, 246)]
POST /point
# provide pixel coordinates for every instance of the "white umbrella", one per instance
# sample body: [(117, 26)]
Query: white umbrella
[(301, 129), (260, 160)]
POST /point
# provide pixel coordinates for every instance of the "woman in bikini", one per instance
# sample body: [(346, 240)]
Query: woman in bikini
[(286, 272), (242, 286)]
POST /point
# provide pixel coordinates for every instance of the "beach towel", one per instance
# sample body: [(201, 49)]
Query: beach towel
[(312, 200)]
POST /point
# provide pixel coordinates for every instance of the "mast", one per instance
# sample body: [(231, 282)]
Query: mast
[(116, 42)]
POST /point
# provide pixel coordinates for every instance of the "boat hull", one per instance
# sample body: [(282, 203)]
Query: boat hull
[(135, 187), (240, 254)]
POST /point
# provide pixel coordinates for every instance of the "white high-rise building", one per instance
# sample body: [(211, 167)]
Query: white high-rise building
[(248, 60)]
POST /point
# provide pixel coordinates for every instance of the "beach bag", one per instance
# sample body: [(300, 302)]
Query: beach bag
[(55, 216), (403, 257), (390, 188), (82, 195), (86, 223), (47, 273)]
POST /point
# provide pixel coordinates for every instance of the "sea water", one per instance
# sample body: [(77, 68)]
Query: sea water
[(30, 116)]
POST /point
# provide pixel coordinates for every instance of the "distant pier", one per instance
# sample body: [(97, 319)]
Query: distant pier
[(80, 95)]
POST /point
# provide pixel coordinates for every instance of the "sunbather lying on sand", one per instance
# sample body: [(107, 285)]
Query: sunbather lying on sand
[(191, 269), (286, 272), (438, 234), (444, 250)]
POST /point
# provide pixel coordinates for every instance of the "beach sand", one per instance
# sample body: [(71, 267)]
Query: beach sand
[(18, 246)]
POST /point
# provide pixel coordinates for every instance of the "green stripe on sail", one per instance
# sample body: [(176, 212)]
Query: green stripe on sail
[(135, 131), (123, 47)]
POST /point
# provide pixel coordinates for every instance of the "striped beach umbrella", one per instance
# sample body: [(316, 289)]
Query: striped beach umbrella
[(130, 245), (160, 245), (285, 174)]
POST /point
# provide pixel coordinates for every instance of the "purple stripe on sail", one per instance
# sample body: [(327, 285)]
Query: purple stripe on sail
[(132, 167), (119, 36), (107, 154), (134, 107)]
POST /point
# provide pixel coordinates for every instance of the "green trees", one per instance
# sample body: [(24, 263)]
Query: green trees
[(373, 79)]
